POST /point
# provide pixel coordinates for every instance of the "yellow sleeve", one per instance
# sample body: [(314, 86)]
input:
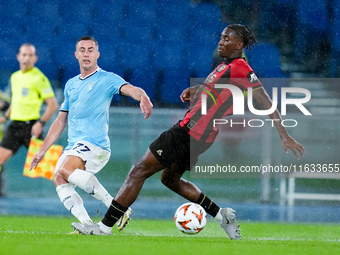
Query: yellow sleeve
[(44, 87)]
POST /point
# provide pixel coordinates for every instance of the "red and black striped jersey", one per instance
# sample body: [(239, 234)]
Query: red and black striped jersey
[(234, 72)]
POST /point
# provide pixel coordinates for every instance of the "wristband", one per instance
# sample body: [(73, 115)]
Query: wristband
[(42, 122)]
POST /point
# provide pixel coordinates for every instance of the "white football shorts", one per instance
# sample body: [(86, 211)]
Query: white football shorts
[(95, 158)]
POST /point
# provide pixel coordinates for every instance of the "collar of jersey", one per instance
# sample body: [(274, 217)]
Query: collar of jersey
[(230, 60), (87, 76), (28, 71)]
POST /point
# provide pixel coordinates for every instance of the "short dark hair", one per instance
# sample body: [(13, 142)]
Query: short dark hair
[(245, 34), (88, 38), (27, 44)]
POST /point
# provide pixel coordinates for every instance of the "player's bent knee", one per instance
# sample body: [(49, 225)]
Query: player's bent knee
[(60, 177), (58, 180)]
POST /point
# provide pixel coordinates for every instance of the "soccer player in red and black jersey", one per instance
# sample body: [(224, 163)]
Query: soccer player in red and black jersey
[(177, 149)]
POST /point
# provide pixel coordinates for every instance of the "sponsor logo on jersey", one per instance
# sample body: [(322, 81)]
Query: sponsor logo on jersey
[(221, 68), (252, 78)]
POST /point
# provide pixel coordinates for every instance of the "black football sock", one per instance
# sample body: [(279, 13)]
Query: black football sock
[(114, 213), (208, 205)]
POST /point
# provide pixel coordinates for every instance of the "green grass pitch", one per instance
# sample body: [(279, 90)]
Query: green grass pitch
[(48, 235)]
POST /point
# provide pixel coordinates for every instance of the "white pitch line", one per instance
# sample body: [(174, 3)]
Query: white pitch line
[(190, 236), (27, 232), (289, 239)]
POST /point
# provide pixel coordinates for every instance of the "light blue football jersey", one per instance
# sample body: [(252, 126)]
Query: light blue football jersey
[(87, 102)]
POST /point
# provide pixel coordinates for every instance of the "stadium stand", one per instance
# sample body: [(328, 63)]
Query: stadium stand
[(46, 11), (335, 40), (141, 13), (206, 15), (161, 34), (174, 81), (275, 20), (178, 18), (65, 61), (265, 60), (134, 55), (313, 19), (46, 63), (169, 55), (200, 60), (149, 77), (7, 58)]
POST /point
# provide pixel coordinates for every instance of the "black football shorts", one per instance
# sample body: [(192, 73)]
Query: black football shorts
[(18, 133), (176, 146)]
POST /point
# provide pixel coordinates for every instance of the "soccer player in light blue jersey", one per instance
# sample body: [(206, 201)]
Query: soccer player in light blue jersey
[(85, 110)]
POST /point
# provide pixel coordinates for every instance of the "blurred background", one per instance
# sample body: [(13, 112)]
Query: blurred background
[(159, 45), (153, 42)]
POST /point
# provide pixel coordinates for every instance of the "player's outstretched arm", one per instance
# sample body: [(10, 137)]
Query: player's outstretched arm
[(188, 93), (261, 96), (53, 134), (139, 95)]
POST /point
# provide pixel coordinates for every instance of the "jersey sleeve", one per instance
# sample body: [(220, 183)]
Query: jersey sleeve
[(244, 76), (65, 104), (115, 83), (44, 87)]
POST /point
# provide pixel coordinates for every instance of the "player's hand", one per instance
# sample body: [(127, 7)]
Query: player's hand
[(37, 129), (146, 106), (294, 146), (185, 96), (3, 119), (36, 159)]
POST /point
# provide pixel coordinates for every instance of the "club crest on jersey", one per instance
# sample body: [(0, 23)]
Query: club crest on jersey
[(214, 75), (252, 78), (91, 85)]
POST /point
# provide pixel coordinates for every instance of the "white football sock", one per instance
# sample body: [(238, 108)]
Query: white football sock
[(104, 228), (90, 184), (219, 216), (73, 202)]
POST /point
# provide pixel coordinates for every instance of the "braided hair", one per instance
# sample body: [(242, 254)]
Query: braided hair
[(245, 34)]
